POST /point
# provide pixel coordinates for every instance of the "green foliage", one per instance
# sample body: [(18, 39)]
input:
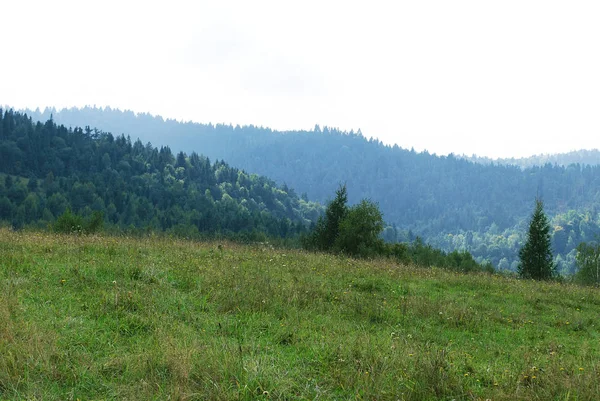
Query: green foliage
[(536, 261), (326, 230), (353, 231), (68, 223), (588, 263), (72, 223), (484, 207), (359, 229), (334, 215), (95, 223), (397, 251), (425, 255), (136, 187), (356, 231), (6, 208)]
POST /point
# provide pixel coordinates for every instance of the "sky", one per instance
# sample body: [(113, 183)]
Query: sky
[(492, 78)]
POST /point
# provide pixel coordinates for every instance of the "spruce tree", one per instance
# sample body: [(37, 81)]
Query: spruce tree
[(326, 231), (536, 255)]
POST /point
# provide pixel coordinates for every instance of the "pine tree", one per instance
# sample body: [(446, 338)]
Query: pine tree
[(536, 255)]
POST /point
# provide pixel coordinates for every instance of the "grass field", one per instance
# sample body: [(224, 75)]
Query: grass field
[(116, 318)]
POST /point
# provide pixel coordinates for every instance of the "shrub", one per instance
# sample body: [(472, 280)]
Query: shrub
[(73, 223), (359, 230), (588, 263)]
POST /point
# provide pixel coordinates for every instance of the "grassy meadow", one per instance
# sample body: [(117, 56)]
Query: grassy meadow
[(131, 319)]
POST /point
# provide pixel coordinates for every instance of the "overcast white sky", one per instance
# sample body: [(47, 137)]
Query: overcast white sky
[(495, 78)]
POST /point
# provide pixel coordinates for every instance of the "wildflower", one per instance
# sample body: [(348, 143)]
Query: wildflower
[(580, 369)]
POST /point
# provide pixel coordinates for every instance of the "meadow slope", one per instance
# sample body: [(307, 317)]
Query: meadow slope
[(122, 318)]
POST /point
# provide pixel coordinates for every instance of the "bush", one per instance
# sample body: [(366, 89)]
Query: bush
[(588, 263), (397, 251), (94, 224), (359, 230), (461, 261), (68, 223), (72, 223)]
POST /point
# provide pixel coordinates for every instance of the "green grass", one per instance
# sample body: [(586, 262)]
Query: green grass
[(117, 318)]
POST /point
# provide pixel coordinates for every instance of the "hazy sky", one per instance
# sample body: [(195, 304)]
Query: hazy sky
[(495, 78)]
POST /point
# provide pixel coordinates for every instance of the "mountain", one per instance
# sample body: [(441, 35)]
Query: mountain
[(46, 169), (583, 157), (452, 202)]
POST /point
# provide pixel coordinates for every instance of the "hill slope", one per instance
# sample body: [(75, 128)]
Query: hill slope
[(49, 168), (454, 203), (117, 318)]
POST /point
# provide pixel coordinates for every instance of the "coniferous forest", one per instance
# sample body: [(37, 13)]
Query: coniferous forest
[(47, 169), (450, 202)]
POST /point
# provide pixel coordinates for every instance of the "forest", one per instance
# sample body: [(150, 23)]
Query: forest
[(450, 202), (583, 156), (93, 181), (47, 170)]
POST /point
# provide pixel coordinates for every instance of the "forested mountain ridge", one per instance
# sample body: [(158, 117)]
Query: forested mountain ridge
[(591, 157), (47, 168), (452, 202)]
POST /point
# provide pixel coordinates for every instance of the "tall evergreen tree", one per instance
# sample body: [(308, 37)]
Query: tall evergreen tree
[(326, 231), (536, 255)]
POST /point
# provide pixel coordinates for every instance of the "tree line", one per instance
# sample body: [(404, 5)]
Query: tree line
[(449, 202), (81, 179), (356, 231), (86, 180)]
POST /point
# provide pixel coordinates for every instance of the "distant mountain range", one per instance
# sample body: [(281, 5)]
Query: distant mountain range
[(453, 202), (583, 157)]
